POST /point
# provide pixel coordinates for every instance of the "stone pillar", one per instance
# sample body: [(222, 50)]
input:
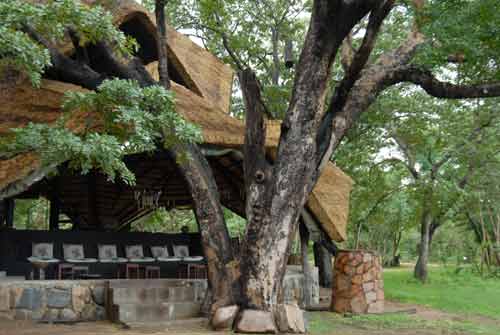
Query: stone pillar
[(358, 286)]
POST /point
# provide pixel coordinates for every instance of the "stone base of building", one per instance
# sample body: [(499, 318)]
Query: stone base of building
[(53, 301), (358, 286), (125, 300)]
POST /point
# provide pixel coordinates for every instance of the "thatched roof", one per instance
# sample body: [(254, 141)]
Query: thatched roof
[(202, 97)]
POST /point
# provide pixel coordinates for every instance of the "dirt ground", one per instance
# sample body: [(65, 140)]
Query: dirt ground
[(199, 326)]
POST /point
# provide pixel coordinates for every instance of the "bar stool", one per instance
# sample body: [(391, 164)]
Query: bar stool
[(152, 271), (80, 270), (130, 268), (197, 271), (65, 270), (182, 271)]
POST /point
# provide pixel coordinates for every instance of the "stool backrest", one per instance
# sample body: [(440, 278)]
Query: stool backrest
[(42, 250)]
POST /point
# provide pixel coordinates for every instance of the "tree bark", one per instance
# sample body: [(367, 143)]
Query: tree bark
[(223, 273), (221, 263), (276, 194), (421, 272)]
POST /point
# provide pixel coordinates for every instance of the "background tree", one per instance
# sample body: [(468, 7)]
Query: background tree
[(427, 150)]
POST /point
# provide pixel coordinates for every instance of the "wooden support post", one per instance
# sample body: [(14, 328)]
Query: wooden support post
[(306, 267), (323, 260), (9, 205), (55, 206), (93, 216), (2, 214), (54, 214)]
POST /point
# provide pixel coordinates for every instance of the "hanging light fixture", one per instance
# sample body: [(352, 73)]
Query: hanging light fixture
[(147, 199), (289, 57)]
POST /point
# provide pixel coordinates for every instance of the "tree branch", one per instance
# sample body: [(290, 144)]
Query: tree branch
[(162, 43), (225, 42), (64, 68), (409, 157), (425, 79), (356, 65), (255, 164), (449, 155), (81, 52)]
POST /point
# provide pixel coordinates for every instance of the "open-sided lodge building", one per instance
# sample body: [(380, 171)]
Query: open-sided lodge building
[(101, 212)]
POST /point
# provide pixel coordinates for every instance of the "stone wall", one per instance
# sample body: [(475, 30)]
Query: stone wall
[(58, 301), (358, 285), (84, 300)]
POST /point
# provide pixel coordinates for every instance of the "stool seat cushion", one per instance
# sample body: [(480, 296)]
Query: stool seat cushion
[(113, 260), (142, 260), (193, 259), (33, 259), (82, 260), (168, 259)]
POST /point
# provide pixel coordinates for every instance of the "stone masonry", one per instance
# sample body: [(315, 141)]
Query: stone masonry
[(358, 285), (57, 301)]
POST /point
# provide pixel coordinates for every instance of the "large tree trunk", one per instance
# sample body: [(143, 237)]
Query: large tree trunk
[(276, 194), (217, 246), (216, 242), (196, 170)]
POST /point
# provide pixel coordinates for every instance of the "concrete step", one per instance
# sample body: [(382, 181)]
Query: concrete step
[(154, 295), (12, 278), (158, 312)]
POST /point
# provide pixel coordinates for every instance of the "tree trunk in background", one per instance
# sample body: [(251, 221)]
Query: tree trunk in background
[(276, 59), (396, 258), (424, 249), (323, 260)]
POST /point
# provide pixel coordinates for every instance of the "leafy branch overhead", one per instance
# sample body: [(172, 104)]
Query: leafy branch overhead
[(52, 21), (129, 117), (133, 119)]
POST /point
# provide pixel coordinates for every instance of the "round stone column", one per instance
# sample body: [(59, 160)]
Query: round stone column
[(358, 286)]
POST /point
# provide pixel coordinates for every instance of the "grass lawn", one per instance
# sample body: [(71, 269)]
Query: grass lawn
[(400, 324), (463, 293), (472, 301)]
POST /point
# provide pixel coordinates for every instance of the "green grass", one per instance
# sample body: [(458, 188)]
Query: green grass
[(463, 293), (331, 323)]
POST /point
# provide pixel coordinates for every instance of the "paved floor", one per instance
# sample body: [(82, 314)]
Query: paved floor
[(192, 327)]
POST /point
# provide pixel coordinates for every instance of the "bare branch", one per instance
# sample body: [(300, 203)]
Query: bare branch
[(225, 42), (405, 149), (358, 62), (81, 52), (361, 56), (439, 89), (255, 131), (162, 43), (64, 68)]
